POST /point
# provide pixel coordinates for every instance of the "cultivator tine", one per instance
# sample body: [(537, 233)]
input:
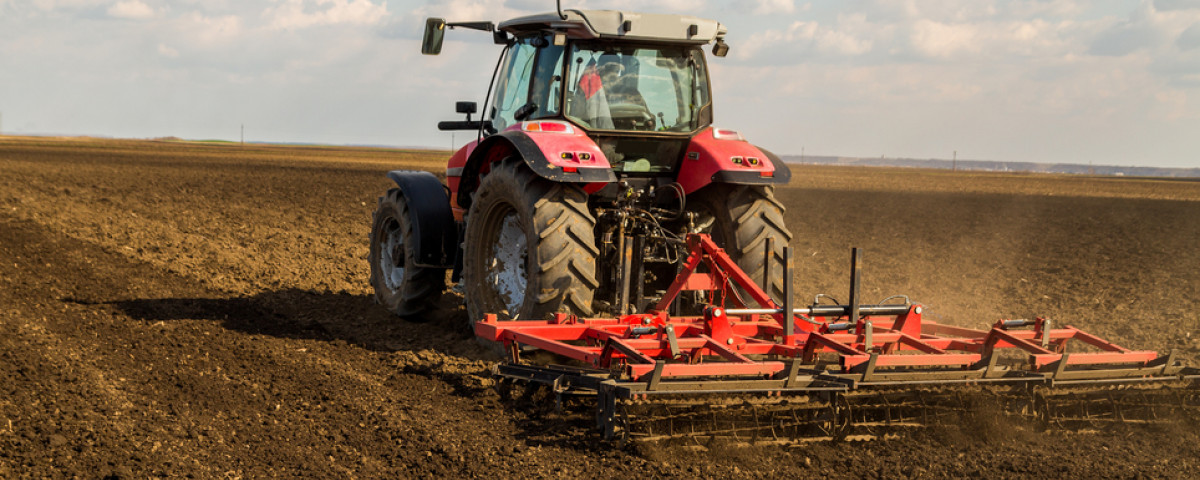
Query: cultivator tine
[(788, 319), (855, 280)]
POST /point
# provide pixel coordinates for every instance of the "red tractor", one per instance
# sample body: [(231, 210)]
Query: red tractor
[(594, 157)]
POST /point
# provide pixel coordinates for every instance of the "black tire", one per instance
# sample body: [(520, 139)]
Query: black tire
[(531, 249), (740, 219), (407, 290)]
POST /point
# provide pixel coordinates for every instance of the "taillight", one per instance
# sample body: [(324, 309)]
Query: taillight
[(547, 126), (721, 134)]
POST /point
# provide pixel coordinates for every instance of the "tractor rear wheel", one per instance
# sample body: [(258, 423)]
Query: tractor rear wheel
[(530, 247), (400, 285), (740, 219)]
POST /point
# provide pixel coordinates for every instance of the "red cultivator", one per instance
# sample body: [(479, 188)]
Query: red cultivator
[(825, 370)]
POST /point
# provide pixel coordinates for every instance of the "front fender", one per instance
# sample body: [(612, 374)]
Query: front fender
[(435, 232), (558, 157)]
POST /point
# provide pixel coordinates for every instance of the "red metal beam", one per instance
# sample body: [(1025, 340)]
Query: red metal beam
[(708, 369), (719, 345)]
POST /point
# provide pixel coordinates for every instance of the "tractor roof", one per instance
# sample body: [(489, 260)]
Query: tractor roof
[(619, 25)]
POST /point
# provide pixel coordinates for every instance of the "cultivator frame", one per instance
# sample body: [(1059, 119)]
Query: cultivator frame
[(823, 370)]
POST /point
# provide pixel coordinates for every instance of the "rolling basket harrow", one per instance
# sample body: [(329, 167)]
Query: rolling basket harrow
[(846, 371)]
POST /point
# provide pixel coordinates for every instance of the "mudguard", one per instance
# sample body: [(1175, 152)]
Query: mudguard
[(542, 152), (435, 233), (719, 160), (781, 175)]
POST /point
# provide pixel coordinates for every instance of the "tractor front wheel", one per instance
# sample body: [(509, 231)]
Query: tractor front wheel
[(400, 285)]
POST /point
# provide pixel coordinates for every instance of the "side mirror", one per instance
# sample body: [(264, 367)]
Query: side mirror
[(499, 37), (466, 107), (435, 31)]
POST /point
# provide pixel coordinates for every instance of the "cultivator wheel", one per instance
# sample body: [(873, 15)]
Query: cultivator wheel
[(747, 420), (860, 416), (1106, 408), (776, 418), (834, 420), (830, 416)]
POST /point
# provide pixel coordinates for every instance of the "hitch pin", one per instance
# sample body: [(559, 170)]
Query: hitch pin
[(1007, 324), (636, 332)]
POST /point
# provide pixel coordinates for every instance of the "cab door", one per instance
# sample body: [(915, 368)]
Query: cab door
[(529, 83)]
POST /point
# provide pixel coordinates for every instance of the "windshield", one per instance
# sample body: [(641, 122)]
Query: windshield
[(656, 89)]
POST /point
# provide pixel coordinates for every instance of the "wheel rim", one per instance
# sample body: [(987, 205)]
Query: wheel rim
[(507, 274), (392, 253)]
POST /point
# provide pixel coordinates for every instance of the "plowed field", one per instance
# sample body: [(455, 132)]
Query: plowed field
[(176, 309)]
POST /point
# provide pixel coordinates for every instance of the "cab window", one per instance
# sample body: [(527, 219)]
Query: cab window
[(530, 83), (512, 89)]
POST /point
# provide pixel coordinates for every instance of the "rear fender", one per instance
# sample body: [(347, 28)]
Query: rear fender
[(558, 157), (713, 160), (435, 233)]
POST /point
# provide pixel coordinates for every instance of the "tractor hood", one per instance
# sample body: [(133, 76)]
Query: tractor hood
[(615, 24)]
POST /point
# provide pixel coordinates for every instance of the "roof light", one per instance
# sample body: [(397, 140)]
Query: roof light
[(547, 126), (721, 134)]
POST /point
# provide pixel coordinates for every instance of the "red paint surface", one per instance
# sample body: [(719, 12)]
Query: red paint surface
[(712, 155)]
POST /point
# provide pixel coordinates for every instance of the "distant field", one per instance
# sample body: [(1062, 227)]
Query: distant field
[(174, 308)]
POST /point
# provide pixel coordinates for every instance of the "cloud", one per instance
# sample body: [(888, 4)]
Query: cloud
[(465, 10), (1170, 5), (681, 7), (501, 10), (204, 31), (1190, 38), (298, 14), (906, 32), (804, 40), (940, 40), (768, 7), (1150, 29), (167, 51), (1124, 39), (131, 9)]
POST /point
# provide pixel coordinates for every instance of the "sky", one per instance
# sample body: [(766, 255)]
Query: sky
[(1058, 81)]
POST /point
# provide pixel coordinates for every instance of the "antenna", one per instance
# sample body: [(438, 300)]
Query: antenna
[(558, 5)]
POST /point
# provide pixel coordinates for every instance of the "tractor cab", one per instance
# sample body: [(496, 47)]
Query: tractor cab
[(636, 84)]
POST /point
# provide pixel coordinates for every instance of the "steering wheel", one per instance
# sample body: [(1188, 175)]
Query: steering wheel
[(640, 116)]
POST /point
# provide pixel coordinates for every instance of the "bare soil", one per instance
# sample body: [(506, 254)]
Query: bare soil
[(180, 309)]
